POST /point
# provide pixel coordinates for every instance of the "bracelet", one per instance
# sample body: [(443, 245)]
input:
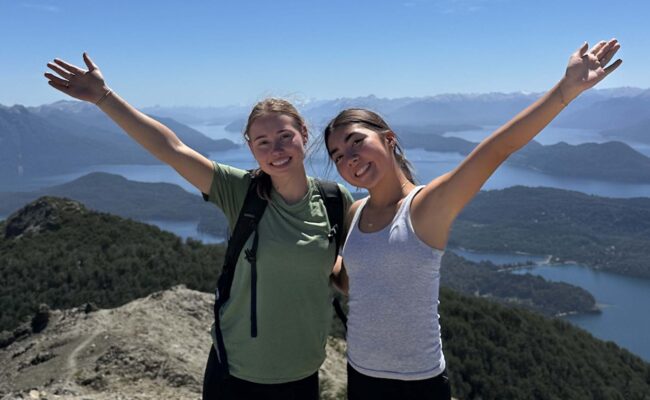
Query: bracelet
[(108, 92)]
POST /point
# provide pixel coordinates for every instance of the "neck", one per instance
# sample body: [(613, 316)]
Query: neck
[(389, 191), (292, 189)]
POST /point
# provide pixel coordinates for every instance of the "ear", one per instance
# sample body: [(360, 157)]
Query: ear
[(390, 139), (305, 134)]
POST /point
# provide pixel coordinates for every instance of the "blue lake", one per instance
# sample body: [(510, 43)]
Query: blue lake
[(624, 301), (499, 258), (185, 230), (428, 165)]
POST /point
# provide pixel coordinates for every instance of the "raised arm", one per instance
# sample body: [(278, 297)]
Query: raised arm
[(436, 207), (162, 142)]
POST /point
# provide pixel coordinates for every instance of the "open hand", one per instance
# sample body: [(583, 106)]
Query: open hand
[(87, 85), (587, 68)]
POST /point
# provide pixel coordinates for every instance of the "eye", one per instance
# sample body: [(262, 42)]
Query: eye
[(337, 158), (357, 141)]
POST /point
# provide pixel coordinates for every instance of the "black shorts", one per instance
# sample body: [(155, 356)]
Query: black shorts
[(216, 387), (362, 387)]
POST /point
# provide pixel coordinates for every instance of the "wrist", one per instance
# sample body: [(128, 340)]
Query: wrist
[(567, 91), (105, 93)]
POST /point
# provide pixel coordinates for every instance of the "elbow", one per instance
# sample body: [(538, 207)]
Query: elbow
[(174, 150), (499, 151)]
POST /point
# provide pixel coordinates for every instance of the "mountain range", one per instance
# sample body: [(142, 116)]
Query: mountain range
[(65, 136), (129, 199), (610, 161), (597, 110)]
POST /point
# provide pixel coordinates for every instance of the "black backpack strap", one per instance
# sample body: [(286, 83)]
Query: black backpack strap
[(333, 200), (247, 222), (251, 257)]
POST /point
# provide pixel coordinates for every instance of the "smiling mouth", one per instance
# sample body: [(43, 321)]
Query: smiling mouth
[(281, 162), (362, 170)]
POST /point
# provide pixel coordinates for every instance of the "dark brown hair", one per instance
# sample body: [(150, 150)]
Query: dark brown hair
[(266, 107), (370, 120)]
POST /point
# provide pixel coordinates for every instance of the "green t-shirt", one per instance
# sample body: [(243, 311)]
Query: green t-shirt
[(294, 263)]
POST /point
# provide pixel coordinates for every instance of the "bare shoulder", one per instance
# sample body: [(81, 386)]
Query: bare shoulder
[(430, 195), (351, 211), (430, 216)]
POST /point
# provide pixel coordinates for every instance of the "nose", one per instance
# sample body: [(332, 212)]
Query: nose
[(278, 146), (353, 159)]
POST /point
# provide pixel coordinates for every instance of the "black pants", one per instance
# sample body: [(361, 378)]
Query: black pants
[(362, 387), (231, 388)]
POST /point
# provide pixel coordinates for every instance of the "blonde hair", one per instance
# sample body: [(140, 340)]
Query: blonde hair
[(268, 106)]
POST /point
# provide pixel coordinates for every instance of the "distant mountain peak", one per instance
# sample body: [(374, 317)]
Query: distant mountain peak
[(42, 215), (69, 106), (16, 109)]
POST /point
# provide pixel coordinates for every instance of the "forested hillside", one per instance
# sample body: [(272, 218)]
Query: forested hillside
[(604, 233), (55, 251)]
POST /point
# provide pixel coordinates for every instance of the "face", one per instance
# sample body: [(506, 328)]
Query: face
[(277, 144), (361, 155)]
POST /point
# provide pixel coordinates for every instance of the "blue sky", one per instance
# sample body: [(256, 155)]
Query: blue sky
[(207, 53)]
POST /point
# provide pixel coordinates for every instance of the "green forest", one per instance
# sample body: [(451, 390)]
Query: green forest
[(79, 256), (56, 252), (603, 233), (487, 280)]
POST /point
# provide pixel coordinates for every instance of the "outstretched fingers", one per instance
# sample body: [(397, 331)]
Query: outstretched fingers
[(598, 47), (71, 68), (65, 74), (612, 67), (582, 50), (57, 80), (89, 63), (59, 87), (606, 56)]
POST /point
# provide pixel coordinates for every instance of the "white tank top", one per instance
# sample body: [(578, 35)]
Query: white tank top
[(393, 329)]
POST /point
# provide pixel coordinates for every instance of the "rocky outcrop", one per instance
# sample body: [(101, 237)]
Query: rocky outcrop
[(151, 348), (44, 214)]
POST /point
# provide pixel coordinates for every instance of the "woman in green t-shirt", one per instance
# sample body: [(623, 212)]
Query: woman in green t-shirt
[(289, 300)]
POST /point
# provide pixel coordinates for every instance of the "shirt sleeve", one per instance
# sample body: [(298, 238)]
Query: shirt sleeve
[(347, 198), (228, 190)]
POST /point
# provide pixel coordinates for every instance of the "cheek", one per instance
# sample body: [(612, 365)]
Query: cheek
[(345, 172), (259, 154), (298, 147)]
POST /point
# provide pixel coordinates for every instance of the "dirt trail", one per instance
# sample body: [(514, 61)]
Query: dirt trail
[(72, 357)]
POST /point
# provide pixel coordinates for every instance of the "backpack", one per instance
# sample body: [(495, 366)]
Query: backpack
[(247, 222)]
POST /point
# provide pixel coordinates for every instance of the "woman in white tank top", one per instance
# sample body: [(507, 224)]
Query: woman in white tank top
[(396, 236)]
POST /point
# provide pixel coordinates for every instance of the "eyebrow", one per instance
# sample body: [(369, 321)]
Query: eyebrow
[(347, 139), (264, 135)]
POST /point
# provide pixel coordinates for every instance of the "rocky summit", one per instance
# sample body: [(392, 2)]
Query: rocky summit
[(44, 214), (151, 348)]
